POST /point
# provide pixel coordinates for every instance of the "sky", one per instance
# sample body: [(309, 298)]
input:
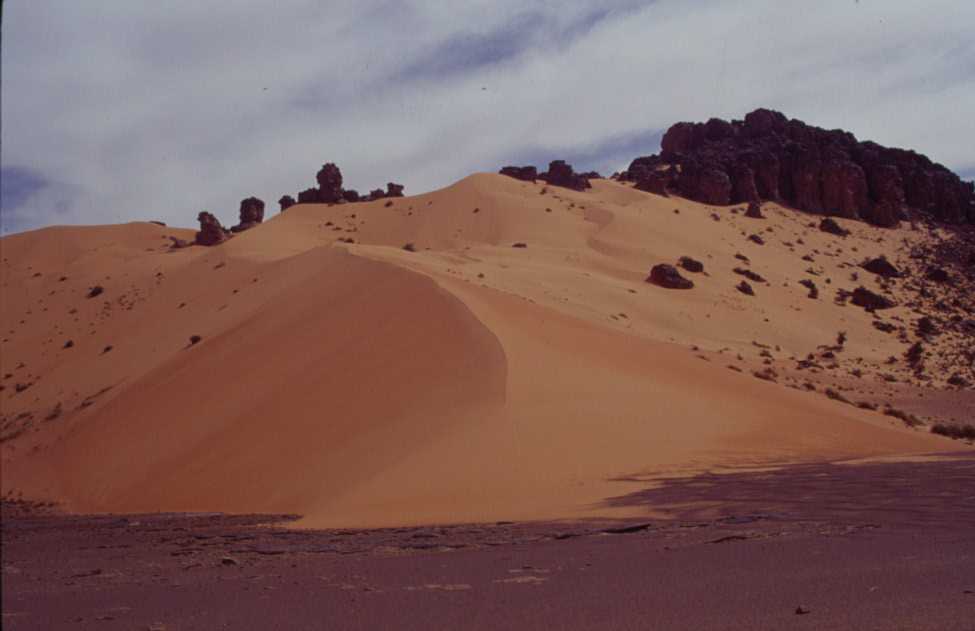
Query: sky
[(116, 111)]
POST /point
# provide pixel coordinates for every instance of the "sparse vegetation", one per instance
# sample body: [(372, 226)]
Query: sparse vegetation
[(957, 432), (909, 419)]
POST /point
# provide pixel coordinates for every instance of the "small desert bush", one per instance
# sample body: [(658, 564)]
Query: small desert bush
[(958, 432), (909, 419)]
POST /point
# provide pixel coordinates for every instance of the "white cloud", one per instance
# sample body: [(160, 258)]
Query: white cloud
[(156, 110)]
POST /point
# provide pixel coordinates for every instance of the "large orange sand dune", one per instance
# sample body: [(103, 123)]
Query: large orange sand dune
[(363, 384)]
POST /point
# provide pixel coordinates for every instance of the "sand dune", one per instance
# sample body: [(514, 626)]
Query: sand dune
[(360, 384)]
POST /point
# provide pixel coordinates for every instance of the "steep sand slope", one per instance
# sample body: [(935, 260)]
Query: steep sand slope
[(363, 384)]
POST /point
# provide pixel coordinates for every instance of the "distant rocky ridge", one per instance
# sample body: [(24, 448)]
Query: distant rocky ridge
[(329, 191), (770, 157), (559, 174)]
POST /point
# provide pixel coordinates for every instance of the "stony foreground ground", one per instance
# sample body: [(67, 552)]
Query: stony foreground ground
[(883, 545)]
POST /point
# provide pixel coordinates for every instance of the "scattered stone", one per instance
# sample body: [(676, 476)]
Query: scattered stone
[(691, 265), (938, 275), (863, 297), (97, 290), (750, 275), (881, 267), (519, 245), (667, 276), (409, 247), (828, 224), (745, 288), (754, 238), (195, 339), (754, 210)]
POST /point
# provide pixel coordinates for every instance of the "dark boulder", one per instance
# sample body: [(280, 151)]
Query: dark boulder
[(691, 265), (329, 179), (286, 201), (667, 276), (525, 173), (561, 174), (309, 196), (938, 275), (881, 267), (394, 190), (754, 211), (863, 297), (211, 232), (251, 214), (829, 225), (745, 288)]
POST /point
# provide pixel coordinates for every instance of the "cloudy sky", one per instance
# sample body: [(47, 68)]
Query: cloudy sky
[(114, 110)]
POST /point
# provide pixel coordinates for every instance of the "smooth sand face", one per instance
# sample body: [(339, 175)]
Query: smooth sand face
[(364, 385)]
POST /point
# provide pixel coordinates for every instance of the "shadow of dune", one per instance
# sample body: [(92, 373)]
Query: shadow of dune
[(939, 491)]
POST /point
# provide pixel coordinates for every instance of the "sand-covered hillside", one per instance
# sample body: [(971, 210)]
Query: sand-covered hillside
[(511, 363)]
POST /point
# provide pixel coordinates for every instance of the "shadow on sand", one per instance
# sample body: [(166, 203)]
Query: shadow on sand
[(935, 491)]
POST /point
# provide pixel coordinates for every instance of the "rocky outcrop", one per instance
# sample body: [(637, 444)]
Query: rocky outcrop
[(329, 179), (251, 214), (561, 174), (525, 173), (881, 267), (863, 297), (767, 156), (286, 201), (211, 232), (308, 196), (394, 190), (829, 225), (691, 265), (667, 276)]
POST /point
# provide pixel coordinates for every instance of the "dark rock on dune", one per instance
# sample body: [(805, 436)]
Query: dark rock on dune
[(750, 275), (376, 193), (754, 211), (767, 156), (691, 265), (308, 196), (926, 327), (394, 190), (829, 225), (286, 202), (667, 276), (158, 223), (811, 286), (211, 232), (97, 290), (519, 245), (251, 214), (525, 173), (863, 297), (745, 288), (651, 181), (329, 179), (754, 238), (561, 174), (938, 275), (351, 195), (881, 267)]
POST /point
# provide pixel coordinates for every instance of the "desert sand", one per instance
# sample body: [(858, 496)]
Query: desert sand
[(363, 384)]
